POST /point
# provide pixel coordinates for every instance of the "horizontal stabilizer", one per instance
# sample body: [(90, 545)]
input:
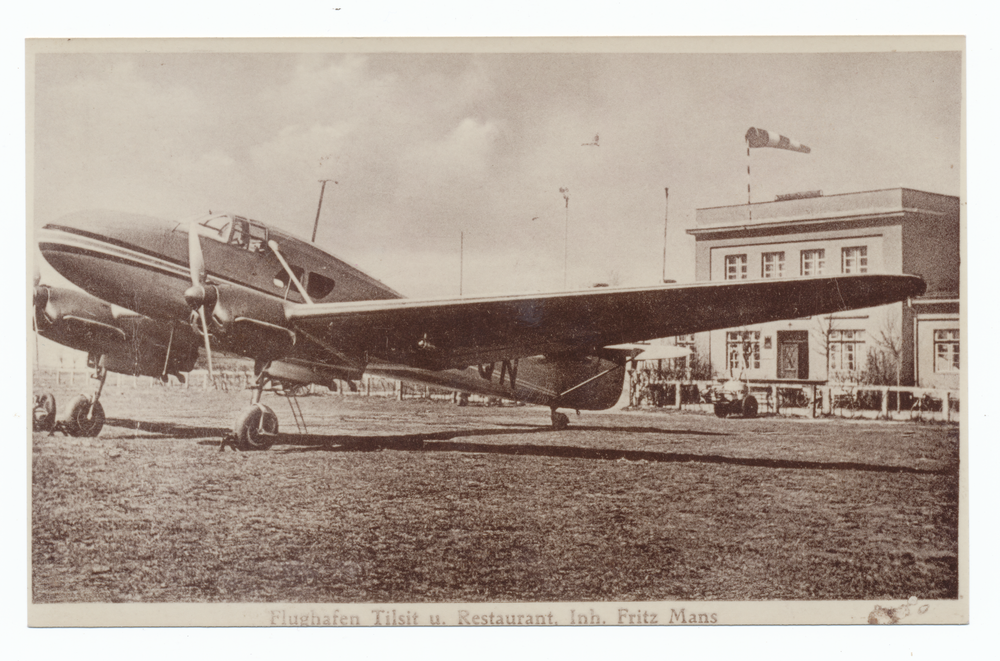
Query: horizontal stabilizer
[(653, 351)]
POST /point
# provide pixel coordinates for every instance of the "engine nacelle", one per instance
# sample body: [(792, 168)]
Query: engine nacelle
[(131, 343)]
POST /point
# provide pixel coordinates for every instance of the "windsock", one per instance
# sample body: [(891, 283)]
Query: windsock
[(764, 138)]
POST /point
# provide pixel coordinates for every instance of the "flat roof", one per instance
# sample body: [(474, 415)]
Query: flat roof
[(843, 206)]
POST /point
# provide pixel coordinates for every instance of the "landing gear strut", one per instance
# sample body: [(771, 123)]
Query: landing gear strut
[(84, 416)]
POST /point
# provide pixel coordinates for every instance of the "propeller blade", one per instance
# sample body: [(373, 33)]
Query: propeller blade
[(197, 293), (199, 276), (208, 343)]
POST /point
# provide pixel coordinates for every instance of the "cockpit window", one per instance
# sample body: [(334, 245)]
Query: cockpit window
[(319, 286), (237, 231), (221, 226), (241, 235), (258, 237)]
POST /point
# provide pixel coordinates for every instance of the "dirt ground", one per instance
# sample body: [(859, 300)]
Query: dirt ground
[(419, 501)]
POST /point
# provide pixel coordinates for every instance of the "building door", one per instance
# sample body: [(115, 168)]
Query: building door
[(793, 354)]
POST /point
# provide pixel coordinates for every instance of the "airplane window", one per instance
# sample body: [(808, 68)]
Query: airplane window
[(319, 286), (281, 279), (258, 237), (221, 225), (240, 236)]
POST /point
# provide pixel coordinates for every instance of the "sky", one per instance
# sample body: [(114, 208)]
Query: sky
[(449, 167)]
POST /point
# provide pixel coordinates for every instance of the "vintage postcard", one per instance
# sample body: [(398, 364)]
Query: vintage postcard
[(478, 333)]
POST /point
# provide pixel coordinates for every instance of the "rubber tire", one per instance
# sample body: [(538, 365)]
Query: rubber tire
[(750, 407), (43, 417), (248, 427), (560, 421), (77, 423), (721, 409)]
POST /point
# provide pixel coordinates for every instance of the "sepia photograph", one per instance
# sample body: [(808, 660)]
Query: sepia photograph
[(473, 332)]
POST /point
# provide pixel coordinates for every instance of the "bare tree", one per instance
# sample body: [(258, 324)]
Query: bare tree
[(822, 332), (889, 340)]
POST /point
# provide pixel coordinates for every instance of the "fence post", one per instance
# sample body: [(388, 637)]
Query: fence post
[(677, 395), (946, 404), (812, 403), (399, 391), (885, 402), (774, 397)]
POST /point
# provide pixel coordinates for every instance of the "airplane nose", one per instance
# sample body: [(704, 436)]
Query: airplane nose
[(136, 262)]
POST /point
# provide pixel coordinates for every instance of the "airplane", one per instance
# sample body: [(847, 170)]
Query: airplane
[(304, 316)]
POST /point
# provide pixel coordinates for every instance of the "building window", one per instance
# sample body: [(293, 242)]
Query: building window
[(685, 341), (846, 349), (773, 265), (854, 260), (946, 350), (813, 262), (736, 267), (743, 350)]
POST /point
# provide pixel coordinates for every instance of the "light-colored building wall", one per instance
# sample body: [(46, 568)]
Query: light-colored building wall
[(899, 230)]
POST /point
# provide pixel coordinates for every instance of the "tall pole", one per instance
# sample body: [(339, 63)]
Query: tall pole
[(565, 192), (461, 260), (667, 191), (319, 207)]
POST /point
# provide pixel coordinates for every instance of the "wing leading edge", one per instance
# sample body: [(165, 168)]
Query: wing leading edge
[(448, 333)]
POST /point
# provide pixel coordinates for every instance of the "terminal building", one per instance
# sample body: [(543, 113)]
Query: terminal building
[(889, 231)]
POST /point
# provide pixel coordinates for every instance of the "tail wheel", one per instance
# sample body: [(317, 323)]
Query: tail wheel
[(559, 420), (722, 409), (82, 419), (256, 428), (44, 413), (750, 407)]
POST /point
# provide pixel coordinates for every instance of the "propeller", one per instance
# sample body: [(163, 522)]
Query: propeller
[(199, 295), (39, 298)]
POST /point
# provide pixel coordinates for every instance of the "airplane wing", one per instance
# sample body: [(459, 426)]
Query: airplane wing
[(458, 332)]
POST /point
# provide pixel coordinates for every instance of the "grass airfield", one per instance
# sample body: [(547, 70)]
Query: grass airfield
[(424, 501)]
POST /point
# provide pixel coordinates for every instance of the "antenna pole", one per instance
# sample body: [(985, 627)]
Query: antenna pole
[(565, 194), (318, 208), (667, 192)]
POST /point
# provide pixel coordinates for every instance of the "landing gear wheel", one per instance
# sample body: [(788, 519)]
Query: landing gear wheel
[(82, 419), (256, 428), (750, 407), (721, 409), (44, 413), (559, 420)]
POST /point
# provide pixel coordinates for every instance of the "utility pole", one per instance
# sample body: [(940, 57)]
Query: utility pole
[(667, 191), (565, 194), (461, 260), (320, 207)]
